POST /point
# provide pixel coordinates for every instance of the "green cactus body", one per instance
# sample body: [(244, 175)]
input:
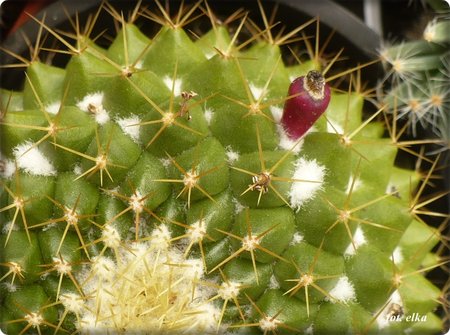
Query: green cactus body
[(149, 188)]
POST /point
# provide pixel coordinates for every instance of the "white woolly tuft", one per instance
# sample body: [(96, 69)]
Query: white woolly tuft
[(333, 127), (49, 226), (103, 267), (198, 231), (273, 283), (53, 108), (91, 323), (102, 117), (288, 144), (208, 115), (61, 266), (285, 142), (166, 162), (135, 202), (269, 324), (257, 92), (7, 226), (110, 236), (309, 330), (131, 127), (7, 167), (313, 173), (232, 156), (343, 291), (161, 237), (228, 290), (77, 170), (32, 160), (10, 287), (34, 319), (397, 255), (357, 184), (277, 113), (238, 207), (359, 239), (206, 323), (210, 55), (296, 239), (94, 101), (194, 269), (72, 302), (168, 81)]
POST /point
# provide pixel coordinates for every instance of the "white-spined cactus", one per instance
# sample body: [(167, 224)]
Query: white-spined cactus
[(417, 74), (198, 184)]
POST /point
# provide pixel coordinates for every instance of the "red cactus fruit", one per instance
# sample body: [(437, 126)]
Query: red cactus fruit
[(310, 96)]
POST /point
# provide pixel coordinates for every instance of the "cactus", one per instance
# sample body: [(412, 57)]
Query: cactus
[(168, 184), (417, 72)]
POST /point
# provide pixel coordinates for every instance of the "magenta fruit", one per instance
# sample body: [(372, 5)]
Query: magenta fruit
[(309, 98)]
